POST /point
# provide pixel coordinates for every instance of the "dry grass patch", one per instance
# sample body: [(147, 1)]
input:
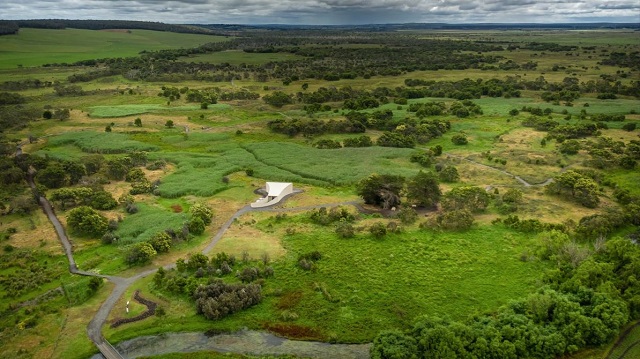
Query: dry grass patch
[(33, 231), (73, 342), (539, 206), (240, 238)]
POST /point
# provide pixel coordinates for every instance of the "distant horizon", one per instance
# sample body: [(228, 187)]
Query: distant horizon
[(330, 12), (550, 24)]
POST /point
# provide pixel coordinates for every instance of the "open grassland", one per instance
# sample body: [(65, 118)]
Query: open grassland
[(128, 110), (148, 221), (363, 285), (220, 155), (34, 47), (100, 142)]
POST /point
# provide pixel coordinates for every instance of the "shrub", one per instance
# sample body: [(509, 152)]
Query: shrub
[(140, 253), (378, 230), (449, 174), (456, 220), (203, 212), (459, 139), (218, 299), (86, 221), (196, 226), (407, 215), (345, 230), (161, 242)]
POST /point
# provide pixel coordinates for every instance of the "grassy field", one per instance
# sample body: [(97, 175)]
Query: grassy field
[(129, 110), (34, 47), (220, 155), (371, 284)]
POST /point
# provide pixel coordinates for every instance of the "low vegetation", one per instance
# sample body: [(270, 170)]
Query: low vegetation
[(487, 186)]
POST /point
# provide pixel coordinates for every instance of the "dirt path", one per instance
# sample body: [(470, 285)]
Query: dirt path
[(245, 342), (621, 340), (516, 177), (94, 328)]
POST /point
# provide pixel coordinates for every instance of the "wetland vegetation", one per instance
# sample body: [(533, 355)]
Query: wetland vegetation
[(466, 193)]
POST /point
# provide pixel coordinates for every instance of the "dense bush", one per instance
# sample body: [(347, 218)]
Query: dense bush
[(86, 221), (218, 299), (571, 313), (467, 197)]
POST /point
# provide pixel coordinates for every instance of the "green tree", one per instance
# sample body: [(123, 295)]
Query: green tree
[(393, 344), (423, 190), (137, 122), (202, 211), (586, 192), (53, 176), (378, 230), (449, 174), (277, 99), (345, 229), (570, 147), (196, 226), (459, 139), (92, 163), (471, 198), (117, 168), (75, 170), (86, 221), (140, 253), (381, 190), (456, 220), (169, 124), (102, 200), (161, 242), (512, 195)]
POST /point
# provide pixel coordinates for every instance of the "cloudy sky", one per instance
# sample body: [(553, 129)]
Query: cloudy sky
[(328, 11)]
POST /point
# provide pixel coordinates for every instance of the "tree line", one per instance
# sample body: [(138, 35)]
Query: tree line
[(583, 303)]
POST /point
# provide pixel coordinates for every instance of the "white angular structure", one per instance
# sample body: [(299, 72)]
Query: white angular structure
[(276, 191)]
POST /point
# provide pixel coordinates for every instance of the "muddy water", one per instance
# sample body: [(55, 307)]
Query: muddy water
[(242, 342)]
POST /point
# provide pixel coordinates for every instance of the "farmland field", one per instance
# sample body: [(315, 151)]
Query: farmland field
[(34, 47), (480, 182)]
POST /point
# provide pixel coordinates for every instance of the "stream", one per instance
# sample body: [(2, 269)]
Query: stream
[(241, 342)]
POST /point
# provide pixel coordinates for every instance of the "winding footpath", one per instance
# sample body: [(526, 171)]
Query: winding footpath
[(94, 329)]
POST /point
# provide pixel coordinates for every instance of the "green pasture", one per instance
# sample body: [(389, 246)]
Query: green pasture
[(371, 284), (149, 220), (563, 37), (237, 57), (502, 106), (129, 110), (100, 142), (35, 47)]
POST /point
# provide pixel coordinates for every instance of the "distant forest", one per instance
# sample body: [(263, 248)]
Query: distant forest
[(12, 27)]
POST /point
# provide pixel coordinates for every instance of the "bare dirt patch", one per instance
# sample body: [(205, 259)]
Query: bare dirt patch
[(294, 331)]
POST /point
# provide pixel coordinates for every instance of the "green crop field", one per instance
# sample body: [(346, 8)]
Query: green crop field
[(34, 47), (129, 110)]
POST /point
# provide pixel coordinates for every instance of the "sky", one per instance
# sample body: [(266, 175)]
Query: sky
[(328, 12)]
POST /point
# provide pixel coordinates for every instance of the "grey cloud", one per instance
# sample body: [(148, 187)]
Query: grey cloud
[(327, 11)]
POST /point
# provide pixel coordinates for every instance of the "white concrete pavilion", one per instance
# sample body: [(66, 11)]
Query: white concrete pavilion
[(276, 191)]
